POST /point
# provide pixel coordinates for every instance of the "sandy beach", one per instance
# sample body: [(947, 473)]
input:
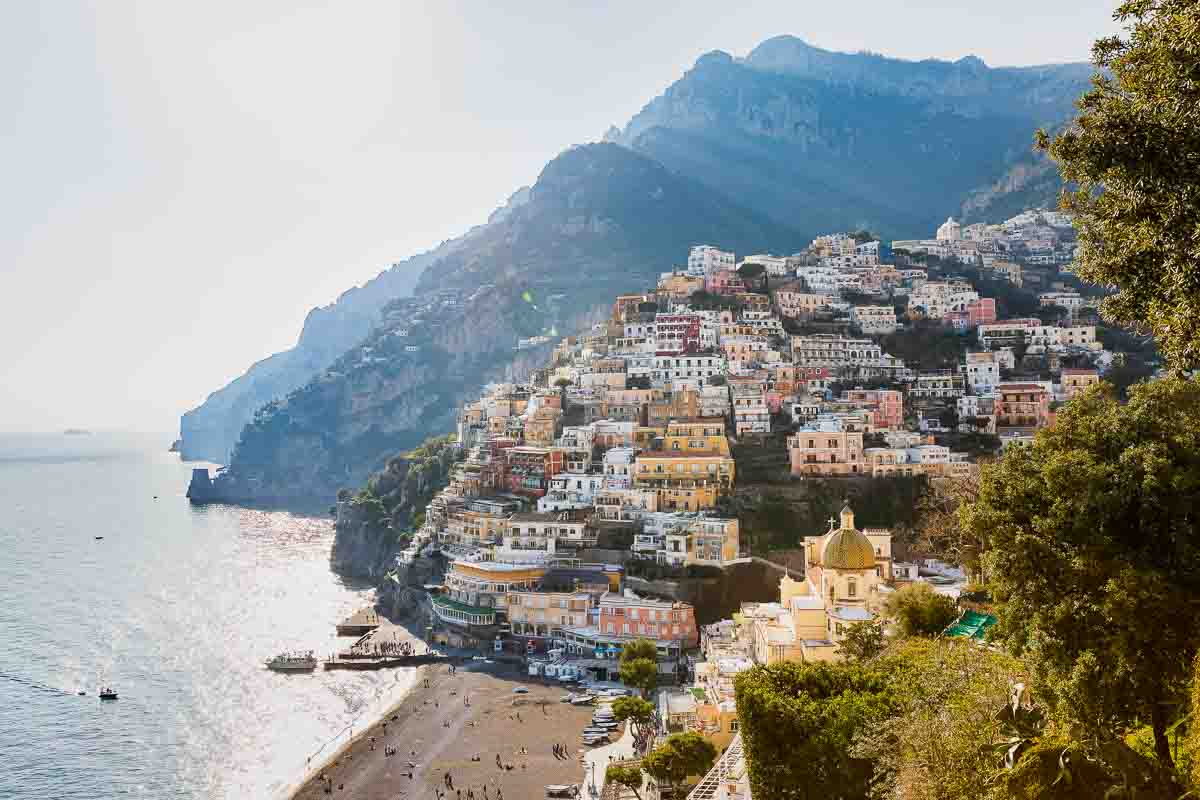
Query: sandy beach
[(458, 724)]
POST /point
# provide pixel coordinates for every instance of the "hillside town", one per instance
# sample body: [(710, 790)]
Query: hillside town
[(618, 457)]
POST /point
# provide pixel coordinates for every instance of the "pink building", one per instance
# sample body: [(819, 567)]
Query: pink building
[(886, 405), (677, 333), (725, 282), (651, 619), (978, 312)]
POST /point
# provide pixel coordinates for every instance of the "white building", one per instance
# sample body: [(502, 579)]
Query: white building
[(776, 266), (705, 259), (949, 231), (874, 320)]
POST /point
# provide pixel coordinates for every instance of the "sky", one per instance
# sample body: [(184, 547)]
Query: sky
[(181, 182)]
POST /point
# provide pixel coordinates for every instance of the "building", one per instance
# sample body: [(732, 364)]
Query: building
[(541, 615), (844, 570), (981, 370), (949, 231), (874, 320), (684, 481), (636, 617), (829, 350), (476, 593), (944, 384), (826, 447), (776, 266), (1022, 405), (705, 259), (1077, 381), (886, 405), (795, 303)]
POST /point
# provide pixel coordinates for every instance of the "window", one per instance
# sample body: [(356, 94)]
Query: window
[(851, 588)]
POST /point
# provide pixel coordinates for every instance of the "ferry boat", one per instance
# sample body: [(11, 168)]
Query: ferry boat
[(293, 662), (107, 693)]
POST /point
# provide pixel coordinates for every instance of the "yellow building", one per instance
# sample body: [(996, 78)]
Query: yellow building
[(844, 569), (539, 614), (477, 591), (696, 435), (684, 481), (543, 427)]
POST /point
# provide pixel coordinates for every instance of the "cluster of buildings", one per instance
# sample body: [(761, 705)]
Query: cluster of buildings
[(848, 575), (619, 453)]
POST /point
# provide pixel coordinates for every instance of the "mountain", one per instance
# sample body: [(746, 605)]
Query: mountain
[(601, 220), (210, 431), (826, 141)]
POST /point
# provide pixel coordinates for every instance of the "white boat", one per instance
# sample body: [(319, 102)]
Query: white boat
[(293, 662), (583, 700)]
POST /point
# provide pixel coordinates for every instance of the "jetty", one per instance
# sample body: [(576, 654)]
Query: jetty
[(353, 661), (362, 621)]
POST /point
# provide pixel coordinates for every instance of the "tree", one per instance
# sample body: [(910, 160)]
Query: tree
[(753, 273), (639, 665), (629, 777), (1134, 155), (683, 754), (1093, 556), (938, 744), (864, 641), (639, 712), (798, 721), (920, 611), (938, 531)]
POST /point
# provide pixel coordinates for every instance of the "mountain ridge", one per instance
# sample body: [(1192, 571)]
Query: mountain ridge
[(790, 136)]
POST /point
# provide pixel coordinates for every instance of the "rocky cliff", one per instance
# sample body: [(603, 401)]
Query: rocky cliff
[(372, 526), (601, 220), (834, 141)]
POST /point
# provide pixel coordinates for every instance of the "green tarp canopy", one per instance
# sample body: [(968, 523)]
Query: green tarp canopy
[(972, 625)]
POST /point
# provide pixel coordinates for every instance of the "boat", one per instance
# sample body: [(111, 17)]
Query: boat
[(595, 740), (108, 693), (561, 790), (582, 700), (293, 662)]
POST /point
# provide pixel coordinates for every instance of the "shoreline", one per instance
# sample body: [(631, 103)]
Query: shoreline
[(469, 724), (313, 769)]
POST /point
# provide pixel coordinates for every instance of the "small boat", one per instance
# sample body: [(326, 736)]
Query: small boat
[(592, 741), (561, 790), (293, 662), (108, 693), (583, 700), (98, 538)]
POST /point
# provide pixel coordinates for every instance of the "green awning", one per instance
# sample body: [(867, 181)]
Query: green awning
[(971, 625)]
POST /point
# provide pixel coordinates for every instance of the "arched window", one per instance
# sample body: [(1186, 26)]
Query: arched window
[(851, 588)]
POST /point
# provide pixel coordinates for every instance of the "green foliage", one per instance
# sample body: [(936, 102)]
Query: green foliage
[(864, 640), (1134, 155), (798, 722), (753, 274), (634, 709), (936, 746), (639, 665), (1091, 537), (920, 611), (683, 754), (629, 777), (927, 345)]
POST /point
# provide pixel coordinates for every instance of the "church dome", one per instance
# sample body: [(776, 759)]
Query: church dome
[(848, 549)]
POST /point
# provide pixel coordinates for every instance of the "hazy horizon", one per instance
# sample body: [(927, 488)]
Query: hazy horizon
[(186, 183)]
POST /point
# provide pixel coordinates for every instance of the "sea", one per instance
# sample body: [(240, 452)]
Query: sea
[(109, 576)]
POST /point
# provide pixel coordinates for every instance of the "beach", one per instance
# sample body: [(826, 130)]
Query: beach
[(457, 724)]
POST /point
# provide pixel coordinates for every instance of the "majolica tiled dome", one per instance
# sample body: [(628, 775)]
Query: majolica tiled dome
[(848, 549)]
